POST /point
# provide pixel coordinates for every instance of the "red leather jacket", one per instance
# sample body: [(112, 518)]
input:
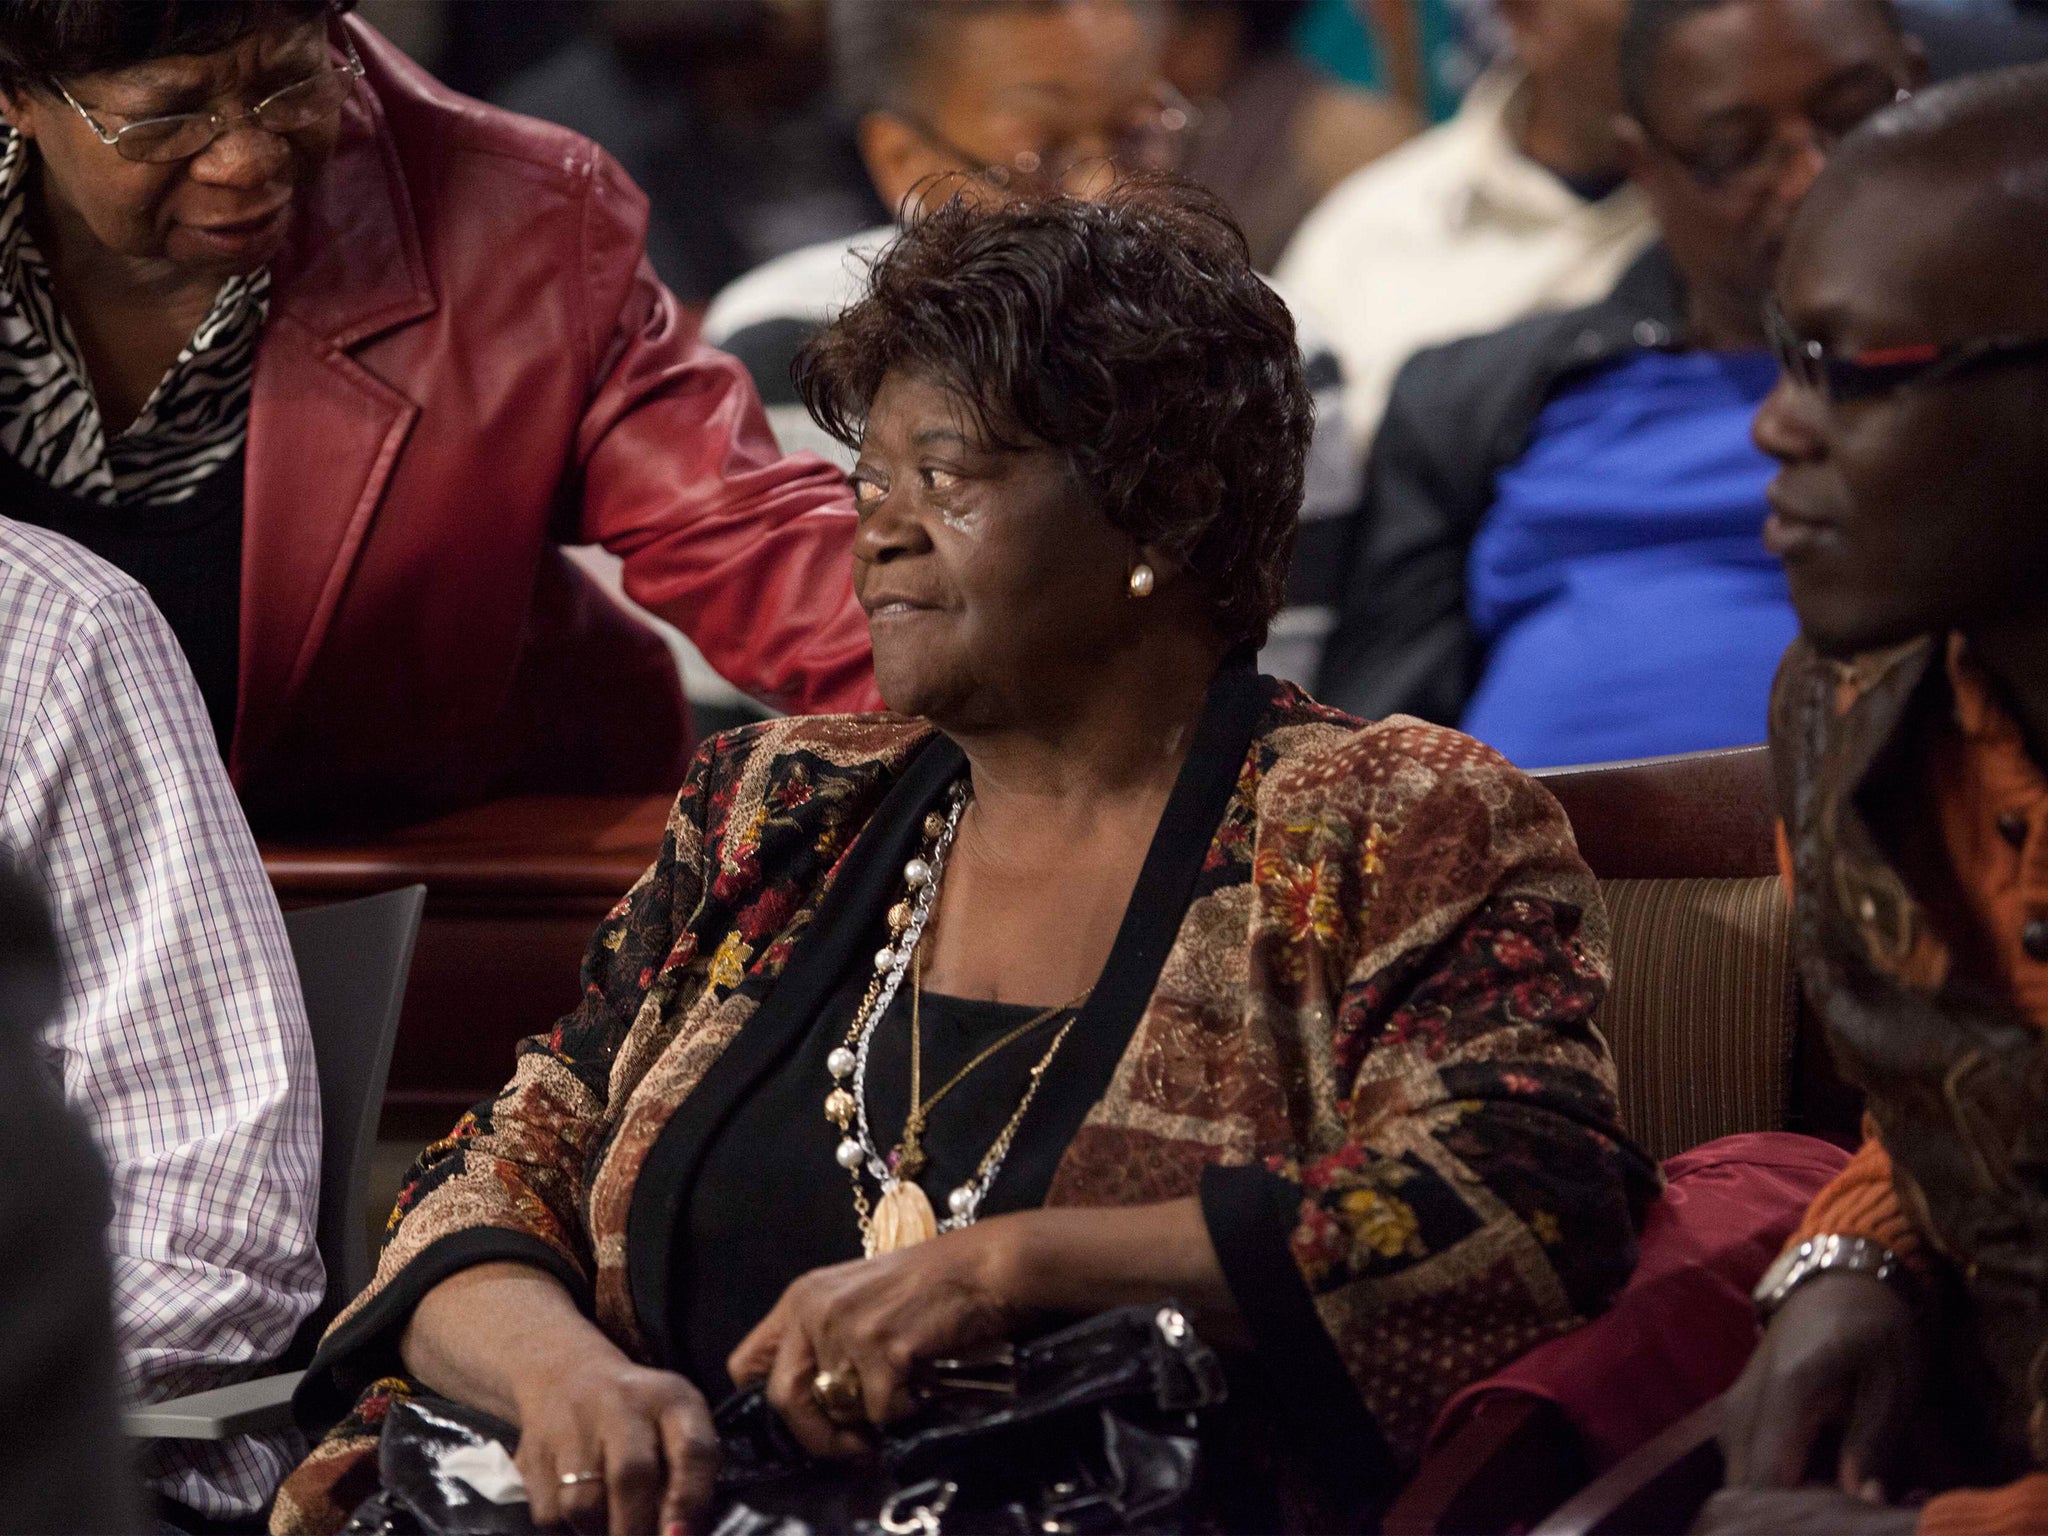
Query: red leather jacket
[(468, 364)]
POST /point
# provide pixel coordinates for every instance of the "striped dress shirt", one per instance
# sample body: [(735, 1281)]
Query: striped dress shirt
[(182, 1038)]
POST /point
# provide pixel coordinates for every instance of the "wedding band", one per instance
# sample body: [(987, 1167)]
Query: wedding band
[(838, 1396), (577, 1479)]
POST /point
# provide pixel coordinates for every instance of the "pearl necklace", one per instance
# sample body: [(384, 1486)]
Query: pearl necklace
[(904, 1215), (898, 1222)]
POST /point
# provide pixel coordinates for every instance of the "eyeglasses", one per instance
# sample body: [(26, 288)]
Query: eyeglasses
[(1750, 153), (181, 135), (1838, 377), (1155, 141)]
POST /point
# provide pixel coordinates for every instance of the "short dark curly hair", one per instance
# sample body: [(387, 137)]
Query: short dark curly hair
[(44, 41), (1130, 335)]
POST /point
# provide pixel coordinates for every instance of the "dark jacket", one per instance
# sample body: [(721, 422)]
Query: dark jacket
[(469, 364), (1955, 1079), (1459, 415)]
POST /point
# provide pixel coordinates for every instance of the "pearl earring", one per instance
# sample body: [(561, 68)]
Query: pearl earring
[(1142, 580)]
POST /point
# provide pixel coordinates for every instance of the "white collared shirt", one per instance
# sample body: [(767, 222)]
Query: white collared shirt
[(181, 1039), (1455, 233)]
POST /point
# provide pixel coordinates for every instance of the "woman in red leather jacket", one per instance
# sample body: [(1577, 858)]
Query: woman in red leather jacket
[(334, 362)]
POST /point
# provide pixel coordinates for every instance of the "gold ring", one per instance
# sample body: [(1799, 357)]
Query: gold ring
[(838, 1396), (577, 1479)]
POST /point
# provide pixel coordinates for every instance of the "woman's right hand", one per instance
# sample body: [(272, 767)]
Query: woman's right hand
[(1844, 1351), (648, 1433), (509, 1339)]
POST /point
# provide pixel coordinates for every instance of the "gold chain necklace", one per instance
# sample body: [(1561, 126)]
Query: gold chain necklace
[(908, 1159), (904, 1214)]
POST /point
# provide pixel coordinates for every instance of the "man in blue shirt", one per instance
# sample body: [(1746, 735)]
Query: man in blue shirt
[(1564, 554)]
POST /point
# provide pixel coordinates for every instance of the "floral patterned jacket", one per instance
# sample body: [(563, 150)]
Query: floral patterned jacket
[(1350, 1007)]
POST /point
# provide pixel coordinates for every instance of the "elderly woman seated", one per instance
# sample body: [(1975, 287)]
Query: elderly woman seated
[(1102, 970)]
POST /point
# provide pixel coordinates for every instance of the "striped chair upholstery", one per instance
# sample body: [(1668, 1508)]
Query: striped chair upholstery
[(1702, 1017)]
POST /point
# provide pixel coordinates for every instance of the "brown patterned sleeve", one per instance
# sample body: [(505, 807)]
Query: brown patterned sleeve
[(1473, 1194), (508, 1182)]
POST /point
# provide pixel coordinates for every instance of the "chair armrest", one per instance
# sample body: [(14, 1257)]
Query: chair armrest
[(1656, 1488), (244, 1408)]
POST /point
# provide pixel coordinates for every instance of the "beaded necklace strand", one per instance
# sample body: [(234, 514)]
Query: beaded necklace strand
[(903, 1215)]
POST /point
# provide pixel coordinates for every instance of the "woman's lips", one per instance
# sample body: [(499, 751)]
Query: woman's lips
[(243, 234)]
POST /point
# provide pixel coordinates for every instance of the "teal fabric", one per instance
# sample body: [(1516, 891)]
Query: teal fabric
[(1332, 35)]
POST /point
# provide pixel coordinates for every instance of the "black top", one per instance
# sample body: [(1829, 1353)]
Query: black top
[(772, 1203), (187, 556)]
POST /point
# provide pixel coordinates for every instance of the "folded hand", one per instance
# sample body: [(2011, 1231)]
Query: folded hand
[(879, 1316)]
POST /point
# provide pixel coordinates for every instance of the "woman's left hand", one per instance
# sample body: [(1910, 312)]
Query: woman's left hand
[(881, 1316)]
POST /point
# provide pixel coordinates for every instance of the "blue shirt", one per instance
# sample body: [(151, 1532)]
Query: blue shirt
[(1620, 581)]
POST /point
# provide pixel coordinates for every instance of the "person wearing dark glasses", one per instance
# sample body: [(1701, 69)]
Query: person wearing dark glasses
[(1907, 1338), (1563, 552), (336, 363), (994, 98)]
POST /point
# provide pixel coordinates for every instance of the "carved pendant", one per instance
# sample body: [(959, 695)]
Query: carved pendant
[(903, 1218)]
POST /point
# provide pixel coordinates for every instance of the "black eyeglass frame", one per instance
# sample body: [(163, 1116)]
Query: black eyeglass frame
[(219, 123), (1880, 371)]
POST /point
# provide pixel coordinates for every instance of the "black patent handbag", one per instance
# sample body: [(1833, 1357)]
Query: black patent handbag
[(1094, 1428), (420, 1489)]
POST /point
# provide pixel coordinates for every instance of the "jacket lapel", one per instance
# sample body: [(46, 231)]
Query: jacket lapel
[(1152, 923), (849, 913), (1862, 736), (324, 431)]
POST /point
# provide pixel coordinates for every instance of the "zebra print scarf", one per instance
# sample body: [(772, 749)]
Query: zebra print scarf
[(193, 422)]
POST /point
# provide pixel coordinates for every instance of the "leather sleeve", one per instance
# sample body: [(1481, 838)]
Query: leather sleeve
[(1402, 643), (747, 551)]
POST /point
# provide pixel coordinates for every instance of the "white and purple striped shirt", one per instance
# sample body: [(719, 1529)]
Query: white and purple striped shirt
[(182, 1038)]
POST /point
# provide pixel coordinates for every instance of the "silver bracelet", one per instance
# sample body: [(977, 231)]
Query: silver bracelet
[(1829, 1253)]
